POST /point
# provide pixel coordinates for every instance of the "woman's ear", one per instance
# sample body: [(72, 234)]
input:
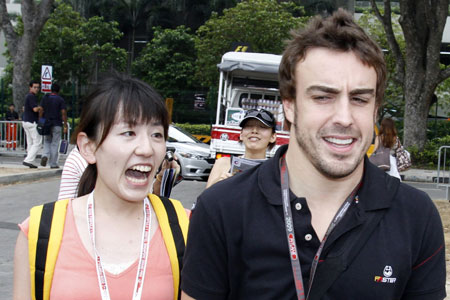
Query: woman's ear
[(87, 148), (273, 138)]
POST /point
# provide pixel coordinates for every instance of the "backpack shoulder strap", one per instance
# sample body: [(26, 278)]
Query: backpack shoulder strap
[(173, 221), (46, 226)]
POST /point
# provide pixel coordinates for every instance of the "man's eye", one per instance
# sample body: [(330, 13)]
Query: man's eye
[(360, 100), (321, 98)]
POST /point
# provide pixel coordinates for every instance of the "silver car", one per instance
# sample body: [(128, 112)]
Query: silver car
[(193, 155)]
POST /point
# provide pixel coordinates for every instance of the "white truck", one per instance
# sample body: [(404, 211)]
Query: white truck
[(247, 81)]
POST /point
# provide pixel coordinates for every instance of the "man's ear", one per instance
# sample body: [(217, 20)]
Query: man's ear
[(289, 109), (87, 148)]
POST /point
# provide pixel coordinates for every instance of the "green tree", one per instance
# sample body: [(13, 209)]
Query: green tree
[(393, 101), (22, 43), (264, 24), (167, 61), (418, 69), (77, 48)]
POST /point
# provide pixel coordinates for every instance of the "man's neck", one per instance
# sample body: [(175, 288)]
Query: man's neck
[(306, 181)]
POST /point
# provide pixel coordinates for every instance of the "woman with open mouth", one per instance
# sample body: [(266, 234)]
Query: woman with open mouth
[(115, 240)]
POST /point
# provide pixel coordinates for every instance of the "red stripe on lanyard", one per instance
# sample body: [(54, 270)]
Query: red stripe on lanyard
[(290, 232), (143, 257)]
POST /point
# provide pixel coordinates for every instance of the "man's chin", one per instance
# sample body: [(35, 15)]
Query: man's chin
[(337, 169)]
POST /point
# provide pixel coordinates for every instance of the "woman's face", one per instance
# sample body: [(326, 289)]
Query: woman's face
[(257, 136), (128, 159)]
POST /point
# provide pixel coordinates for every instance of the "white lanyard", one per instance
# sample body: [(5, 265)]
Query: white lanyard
[(142, 256)]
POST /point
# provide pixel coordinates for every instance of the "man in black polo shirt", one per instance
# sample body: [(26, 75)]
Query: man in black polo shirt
[(30, 120), (319, 221), (54, 110)]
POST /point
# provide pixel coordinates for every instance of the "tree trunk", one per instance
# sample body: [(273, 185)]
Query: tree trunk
[(422, 24), (21, 47), (22, 72)]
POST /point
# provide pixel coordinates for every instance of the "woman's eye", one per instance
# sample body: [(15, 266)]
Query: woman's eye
[(158, 135), (128, 133)]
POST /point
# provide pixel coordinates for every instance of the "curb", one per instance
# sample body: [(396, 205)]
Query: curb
[(26, 177)]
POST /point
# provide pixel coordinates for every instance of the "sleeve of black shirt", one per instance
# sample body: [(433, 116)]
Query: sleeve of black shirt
[(428, 275), (205, 274)]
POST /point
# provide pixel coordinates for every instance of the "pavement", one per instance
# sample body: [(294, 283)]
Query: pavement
[(12, 171)]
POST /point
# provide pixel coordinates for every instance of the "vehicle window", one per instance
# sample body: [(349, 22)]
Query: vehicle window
[(269, 97), (256, 96), (177, 134)]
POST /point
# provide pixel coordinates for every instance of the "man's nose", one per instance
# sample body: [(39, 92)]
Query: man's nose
[(343, 114)]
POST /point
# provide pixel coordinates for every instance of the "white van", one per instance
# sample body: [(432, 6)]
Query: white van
[(247, 81)]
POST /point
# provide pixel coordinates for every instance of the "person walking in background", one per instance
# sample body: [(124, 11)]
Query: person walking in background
[(258, 135), (388, 139), (54, 111), (115, 241), (318, 220), (11, 128), (29, 123)]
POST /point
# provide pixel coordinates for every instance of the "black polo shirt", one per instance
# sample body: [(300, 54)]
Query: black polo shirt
[(53, 105), (389, 245), (28, 114)]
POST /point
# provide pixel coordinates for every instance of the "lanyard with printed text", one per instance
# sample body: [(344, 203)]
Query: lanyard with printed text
[(290, 233), (143, 254)]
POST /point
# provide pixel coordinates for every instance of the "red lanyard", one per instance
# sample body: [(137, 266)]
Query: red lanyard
[(290, 233), (104, 290)]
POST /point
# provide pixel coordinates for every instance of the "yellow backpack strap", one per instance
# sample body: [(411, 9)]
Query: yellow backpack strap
[(46, 226), (174, 223)]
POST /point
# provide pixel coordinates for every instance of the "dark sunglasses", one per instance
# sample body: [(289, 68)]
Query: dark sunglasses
[(262, 114)]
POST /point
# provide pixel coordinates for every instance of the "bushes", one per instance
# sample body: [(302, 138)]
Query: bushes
[(428, 158), (201, 129)]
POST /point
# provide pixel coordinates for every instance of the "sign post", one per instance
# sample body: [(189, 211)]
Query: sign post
[(46, 78)]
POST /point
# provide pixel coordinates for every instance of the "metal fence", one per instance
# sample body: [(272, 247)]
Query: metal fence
[(12, 136), (443, 170)]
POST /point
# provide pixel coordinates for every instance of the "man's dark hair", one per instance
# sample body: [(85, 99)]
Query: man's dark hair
[(55, 88), (338, 33), (34, 82)]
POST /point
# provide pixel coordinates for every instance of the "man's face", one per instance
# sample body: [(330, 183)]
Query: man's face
[(34, 89), (334, 111), (11, 108)]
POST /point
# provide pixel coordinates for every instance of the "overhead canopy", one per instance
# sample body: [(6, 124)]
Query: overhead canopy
[(250, 62)]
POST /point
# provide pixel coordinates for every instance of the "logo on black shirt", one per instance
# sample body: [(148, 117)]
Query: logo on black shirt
[(387, 272)]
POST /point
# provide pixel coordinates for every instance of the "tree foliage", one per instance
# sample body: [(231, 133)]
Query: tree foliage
[(418, 69), (264, 24), (77, 48), (167, 61)]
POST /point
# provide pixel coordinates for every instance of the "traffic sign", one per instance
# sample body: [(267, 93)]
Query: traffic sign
[(46, 78)]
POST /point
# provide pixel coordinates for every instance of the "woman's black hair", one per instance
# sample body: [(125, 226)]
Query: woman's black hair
[(117, 95)]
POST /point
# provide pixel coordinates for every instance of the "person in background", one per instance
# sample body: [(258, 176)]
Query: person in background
[(29, 124), (11, 114), (318, 220), (117, 242), (258, 135), (387, 137), (11, 128), (73, 169), (53, 110)]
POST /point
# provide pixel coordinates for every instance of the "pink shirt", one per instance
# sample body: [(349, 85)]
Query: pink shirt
[(76, 276)]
